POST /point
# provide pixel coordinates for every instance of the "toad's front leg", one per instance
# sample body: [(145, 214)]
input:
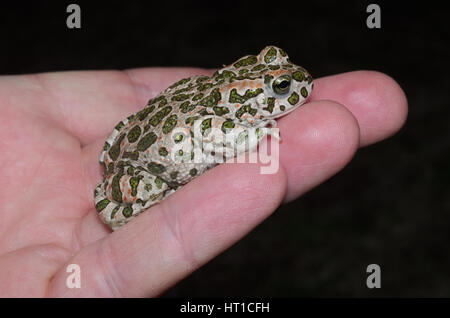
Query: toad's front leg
[(219, 138)]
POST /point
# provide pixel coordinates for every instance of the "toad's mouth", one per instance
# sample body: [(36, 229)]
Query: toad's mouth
[(285, 112)]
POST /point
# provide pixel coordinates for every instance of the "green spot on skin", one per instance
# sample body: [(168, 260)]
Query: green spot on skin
[(206, 124), (134, 182), (130, 171), (197, 97), (193, 172), (106, 146), (163, 103), (111, 167), (114, 151), (120, 166), (146, 141), (225, 75), (134, 133), (268, 79), (186, 107), (178, 138), (119, 126), (219, 111), (203, 87), (127, 211), (293, 99), (156, 168), (304, 92), (170, 124), (148, 187), (181, 97), (180, 152), (258, 67), (155, 100), (201, 79), (270, 104), (227, 126), (180, 82), (159, 182), (243, 71), (101, 205), (114, 211), (241, 111), (282, 108), (132, 155), (270, 56), (299, 76), (246, 61), (115, 188), (163, 151), (212, 99), (282, 52), (274, 67), (145, 112), (157, 118), (246, 109), (174, 174), (183, 89), (236, 98)]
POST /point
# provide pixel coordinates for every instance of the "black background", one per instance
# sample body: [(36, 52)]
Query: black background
[(389, 206)]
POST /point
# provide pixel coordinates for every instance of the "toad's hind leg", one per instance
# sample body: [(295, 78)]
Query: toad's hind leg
[(122, 196)]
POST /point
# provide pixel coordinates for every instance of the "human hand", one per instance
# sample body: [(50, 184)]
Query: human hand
[(52, 130)]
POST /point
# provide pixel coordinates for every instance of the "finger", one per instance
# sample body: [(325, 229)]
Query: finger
[(313, 154), (208, 215), (375, 99)]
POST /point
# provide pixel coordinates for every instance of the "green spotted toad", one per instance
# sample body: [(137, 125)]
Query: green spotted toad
[(152, 153)]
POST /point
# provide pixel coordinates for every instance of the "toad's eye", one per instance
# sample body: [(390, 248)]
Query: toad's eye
[(282, 84)]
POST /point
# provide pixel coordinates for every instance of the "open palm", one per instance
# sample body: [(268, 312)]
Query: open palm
[(52, 129)]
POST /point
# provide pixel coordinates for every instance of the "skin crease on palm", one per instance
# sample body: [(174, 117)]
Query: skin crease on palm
[(52, 130)]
